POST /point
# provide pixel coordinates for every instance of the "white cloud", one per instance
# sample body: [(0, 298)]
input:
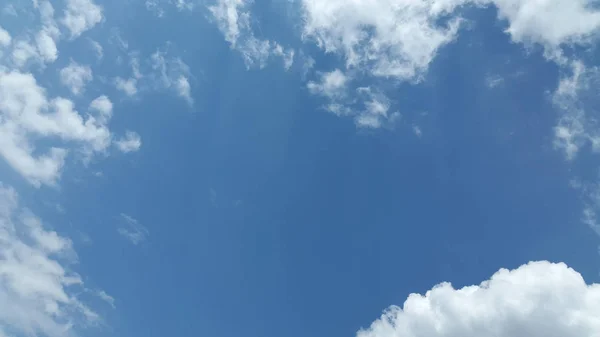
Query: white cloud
[(75, 77), (133, 231), (128, 86), (5, 38), (549, 23), (97, 48), (387, 38), (28, 116), (574, 128), (417, 130), (233, 19), (153, 6), (49, 34), (287, 55), (23, 52), (9, 10), (230, 19), (46, 46), (103, 106), (538, 299), (81, 16), (376, 112), (130, 143), (182, 85), (332, 84), (183, 4), (37, 292), (106, 298), (171, 73)]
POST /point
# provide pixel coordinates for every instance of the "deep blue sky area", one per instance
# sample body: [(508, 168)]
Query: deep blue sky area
[(263, 214)]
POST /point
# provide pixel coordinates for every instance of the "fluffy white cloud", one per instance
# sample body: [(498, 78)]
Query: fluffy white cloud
[(538, 299), (550, 23), (103, 106), (130, 143), (400, 38), (75, 77), (37, 291), (388, 38), (29, 116), (133, 231), (80, 16)]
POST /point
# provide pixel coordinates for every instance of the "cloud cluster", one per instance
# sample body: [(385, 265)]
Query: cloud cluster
[(39, 130), (28, 114), (37, 292), (538, 299), (398, 39)]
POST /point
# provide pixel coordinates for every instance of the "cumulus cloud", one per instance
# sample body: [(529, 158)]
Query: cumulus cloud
[(130, 143), (37, 290), (549, 23), (81, 16), (75, 77), (102, 105), (383, 37), (29, 115), (133, 230), (233, 19), (399, 39), (537, 299)]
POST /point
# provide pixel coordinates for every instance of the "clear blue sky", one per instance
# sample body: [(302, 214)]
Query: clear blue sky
[(293, 168)]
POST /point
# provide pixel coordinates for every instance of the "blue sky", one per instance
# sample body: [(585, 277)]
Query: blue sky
[(301, 167)]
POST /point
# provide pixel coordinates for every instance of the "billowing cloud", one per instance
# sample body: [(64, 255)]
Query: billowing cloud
[(38, 293), (549, 23), (387, 38), (538, 299)]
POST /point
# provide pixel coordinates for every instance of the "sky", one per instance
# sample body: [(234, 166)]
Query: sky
[(364, 168)]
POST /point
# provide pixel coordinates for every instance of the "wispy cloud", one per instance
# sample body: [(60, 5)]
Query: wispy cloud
[(133, 230)]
